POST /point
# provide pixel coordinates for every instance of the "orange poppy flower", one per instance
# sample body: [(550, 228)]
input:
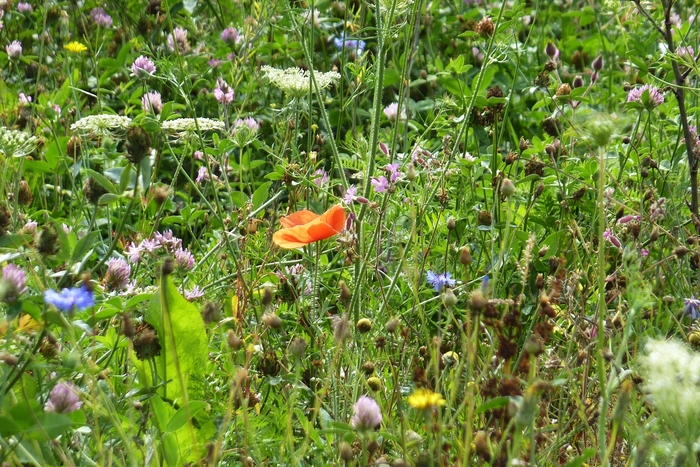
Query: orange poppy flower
[(304, 227)]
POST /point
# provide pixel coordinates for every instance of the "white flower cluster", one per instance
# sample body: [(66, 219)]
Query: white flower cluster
[(295, 81), (188, 125), (672, 381), (101, 125), (14, 143)]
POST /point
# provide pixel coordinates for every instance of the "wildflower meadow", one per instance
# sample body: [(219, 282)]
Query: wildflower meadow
[(349, 233)]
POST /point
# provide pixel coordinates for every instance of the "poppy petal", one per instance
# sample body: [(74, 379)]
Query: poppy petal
[(335, 217), (298, 218), (304, 227)]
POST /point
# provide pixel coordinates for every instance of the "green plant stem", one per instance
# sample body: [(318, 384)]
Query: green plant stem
[(602, 306)]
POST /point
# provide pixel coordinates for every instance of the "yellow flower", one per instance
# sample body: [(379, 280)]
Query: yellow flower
[(424, 399), (75, 47)]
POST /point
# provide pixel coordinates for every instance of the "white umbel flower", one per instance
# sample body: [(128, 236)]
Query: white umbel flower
[(672, 381), (188, 126), (14, 143), (295, 81), (101, 125)]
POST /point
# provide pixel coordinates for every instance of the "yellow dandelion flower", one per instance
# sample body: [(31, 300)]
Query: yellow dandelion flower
[(75, 47), (424, 399)]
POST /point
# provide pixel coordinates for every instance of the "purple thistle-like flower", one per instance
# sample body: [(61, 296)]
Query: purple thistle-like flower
[(117, 275), (655, 96), (380, 184), (14, 49), (69, 300), (439, 281), (151, 102), (184, 259), (178, 38), (194, 293), (24, 7), (223, 92), (691, 307), (133, 251), (366, 414), (101, 18), (13, 283), (167, 240), (229, 35), (143, 67), (64, 398)]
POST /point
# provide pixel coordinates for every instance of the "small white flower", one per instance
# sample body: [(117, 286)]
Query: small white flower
[(15, 143)]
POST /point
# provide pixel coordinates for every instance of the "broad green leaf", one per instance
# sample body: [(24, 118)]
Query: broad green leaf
[(186, 328), (50, 425)]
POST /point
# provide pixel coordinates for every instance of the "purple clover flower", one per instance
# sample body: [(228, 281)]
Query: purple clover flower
[(68, 300), (64, 398), (101, 18), (439, 281), (13, 283), (117, 275), (366, 414), (229, 35), (178, 39), (151, 102), (380, 184), (223, 92), (655, 96), (143, 67), (14, 49), (24, 7)]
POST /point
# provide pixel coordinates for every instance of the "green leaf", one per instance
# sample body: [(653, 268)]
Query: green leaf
[(494, 403), (261, 195), (84, 246), (578, 462), (102, 180), (239, 198), (49, 426), (8, 427), (181, 416), (170, 448)]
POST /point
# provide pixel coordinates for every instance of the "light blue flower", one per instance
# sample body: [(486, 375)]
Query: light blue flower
[(439, 281), (69, 300)]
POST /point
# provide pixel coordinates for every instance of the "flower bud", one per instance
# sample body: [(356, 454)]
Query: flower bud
[(272, 320), (392, 325), (298, 347), (598, 63), (465, 256), (451, 224), (364, 325), (448, 298), (478, 301), (507, 187), (374, 383), (411, 173), (345, 294), (551, 51), (578, 82), (234, 341)]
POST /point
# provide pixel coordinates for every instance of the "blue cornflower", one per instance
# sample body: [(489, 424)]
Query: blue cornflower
[(691, 307), (70, 299), (439, 281), (351, 45)]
